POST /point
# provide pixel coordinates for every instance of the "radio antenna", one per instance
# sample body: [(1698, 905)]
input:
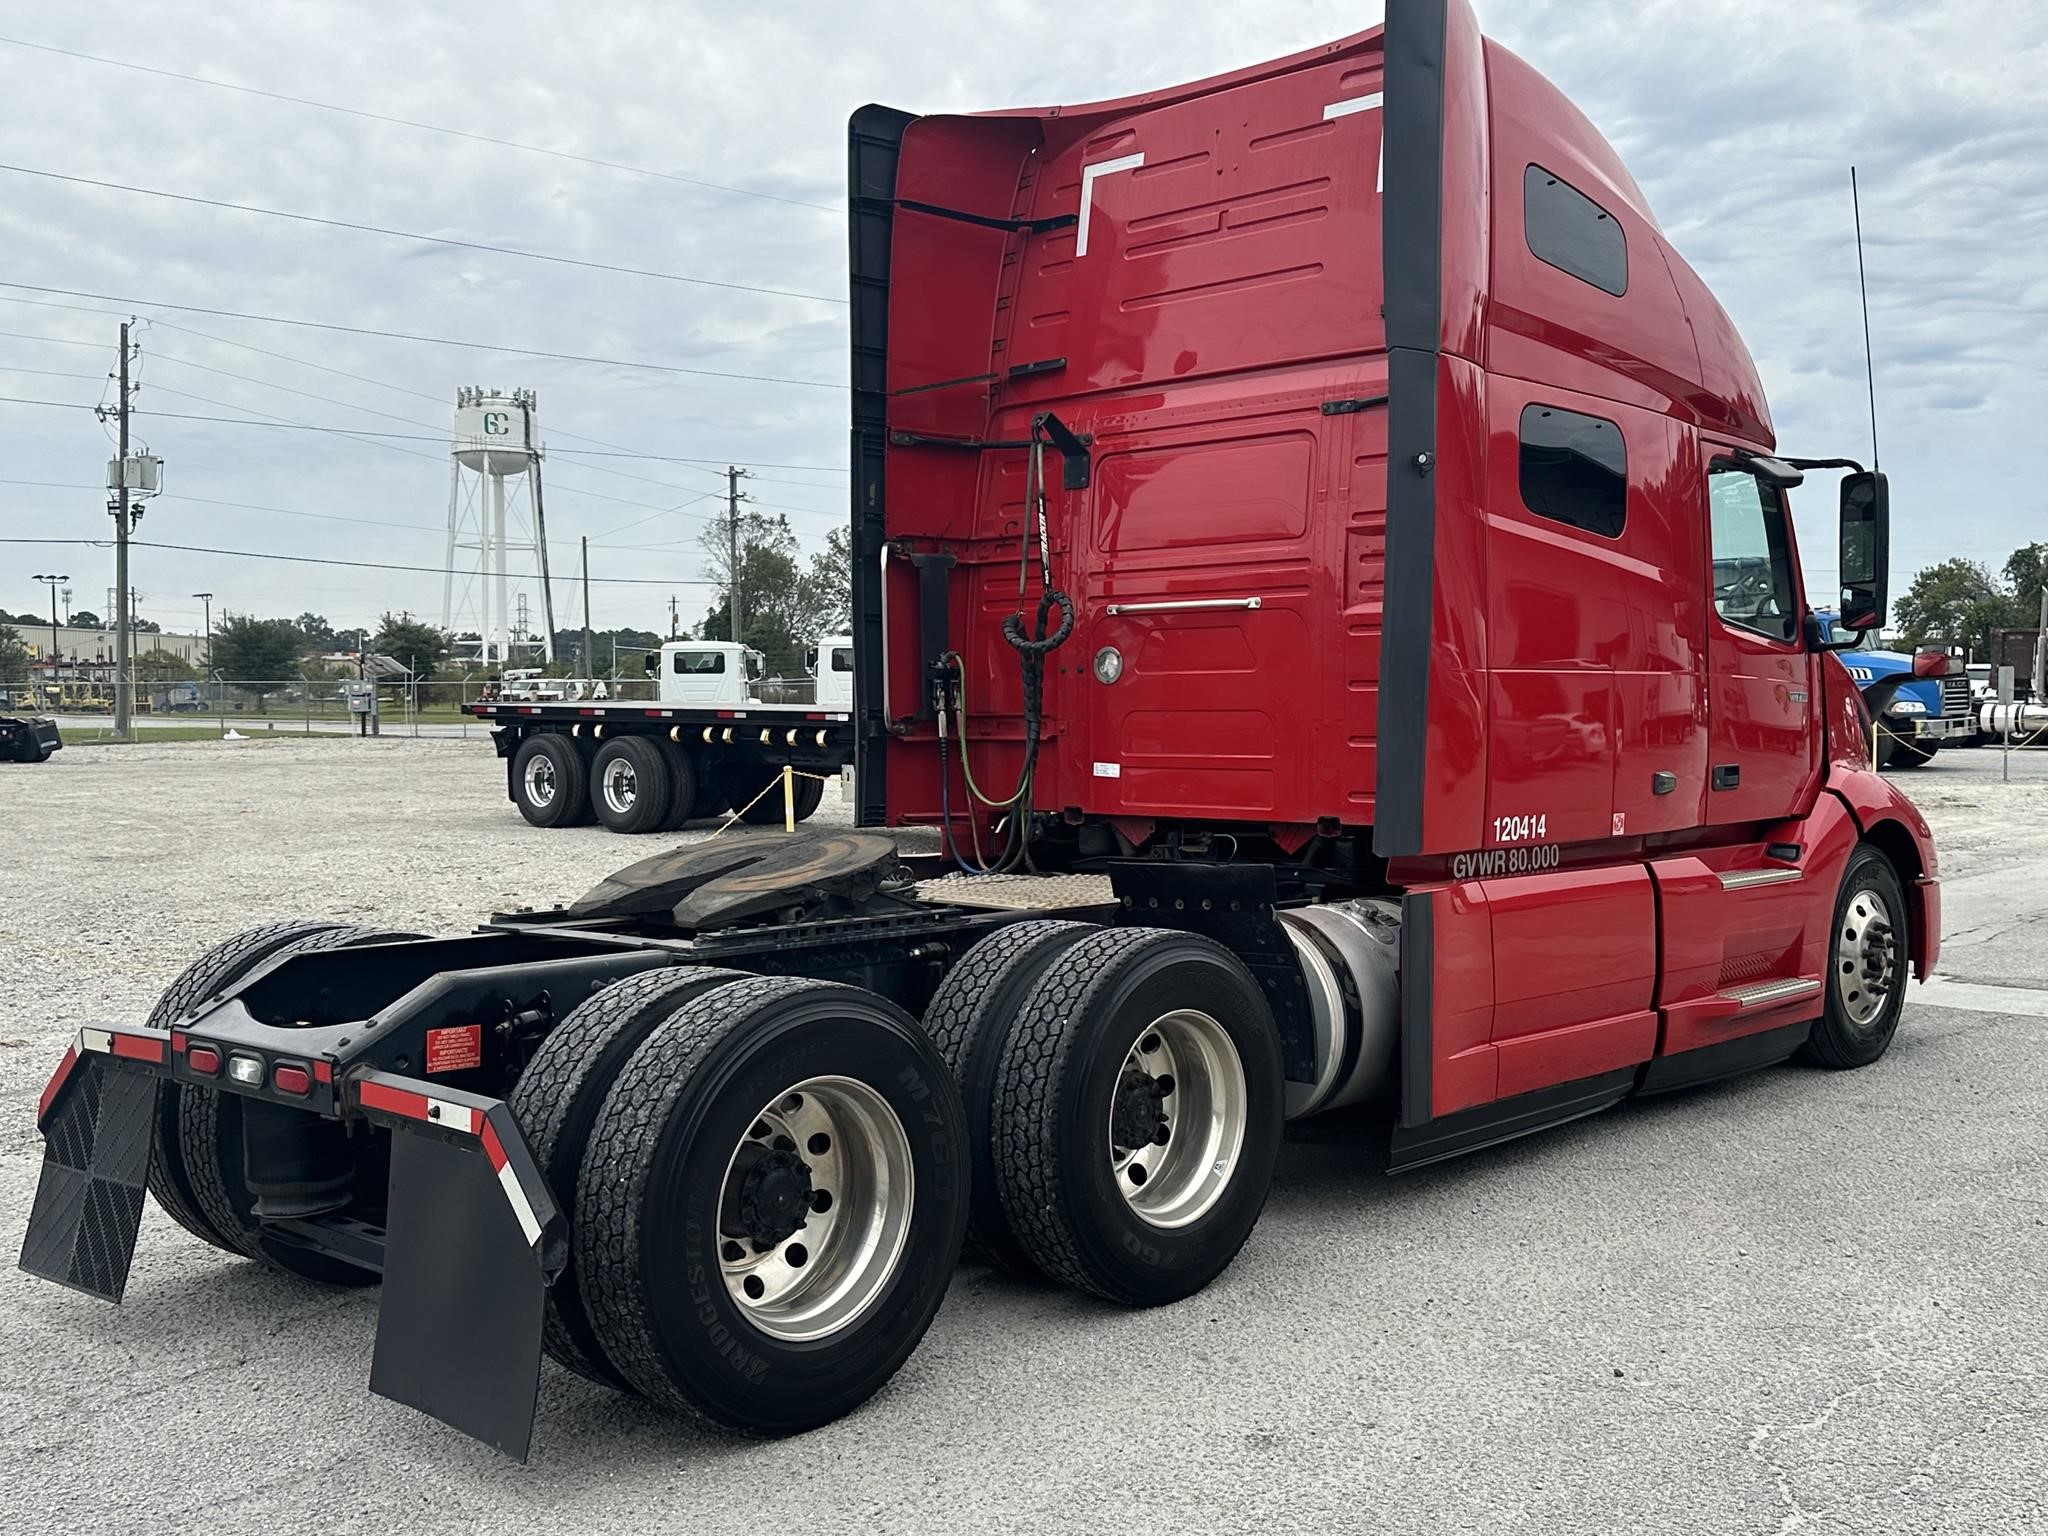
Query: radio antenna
[(1863, 286)]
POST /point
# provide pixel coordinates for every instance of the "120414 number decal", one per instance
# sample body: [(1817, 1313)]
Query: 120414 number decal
[(1521, 829)]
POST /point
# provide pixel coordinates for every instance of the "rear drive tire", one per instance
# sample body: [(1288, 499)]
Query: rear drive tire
[(550, 784), (759, 797), (629, 784), (213, 972), (772, 1204), (969, 1020), (210, 1144), (1137, 1115), (1866, 989), (683, 792), (556, 1102)]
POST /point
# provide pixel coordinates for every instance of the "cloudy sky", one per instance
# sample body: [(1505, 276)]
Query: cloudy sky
[(1739, 118)]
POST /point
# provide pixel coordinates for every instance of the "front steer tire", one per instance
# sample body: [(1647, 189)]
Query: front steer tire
[(557, 1101), (1078, 1076), (679, 1189), (1867, 958)]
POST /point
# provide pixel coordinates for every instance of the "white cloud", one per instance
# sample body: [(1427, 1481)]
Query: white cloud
[(1739, 120)]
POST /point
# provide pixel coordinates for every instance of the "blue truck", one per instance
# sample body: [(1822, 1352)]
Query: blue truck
[(1915, 716)]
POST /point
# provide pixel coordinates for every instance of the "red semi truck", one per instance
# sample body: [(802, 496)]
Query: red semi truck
[(1323, 559)]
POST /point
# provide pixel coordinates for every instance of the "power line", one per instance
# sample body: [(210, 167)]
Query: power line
[(436, 341), (370, 439), (408, 234), (607, 450), (406, 122), (337, 517), (363, 565)]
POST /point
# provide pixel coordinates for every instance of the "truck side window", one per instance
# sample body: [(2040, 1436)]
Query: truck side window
[(1574, 469), (1752, 560), (1571, 232), (699, 663), (842, 659)]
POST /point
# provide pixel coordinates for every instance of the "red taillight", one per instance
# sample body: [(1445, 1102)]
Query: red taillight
[(203, 1059), (292, 1080)]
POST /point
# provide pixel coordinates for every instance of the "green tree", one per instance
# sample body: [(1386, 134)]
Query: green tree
[(257, 655), (417, 647), (826, 594), (158, 665), (1956, 601), (319, 633), (2026, 572), (85, 618), (13, 655)]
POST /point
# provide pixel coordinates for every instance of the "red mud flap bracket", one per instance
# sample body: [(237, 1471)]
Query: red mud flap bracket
[(472, 1242), (96, 1116)]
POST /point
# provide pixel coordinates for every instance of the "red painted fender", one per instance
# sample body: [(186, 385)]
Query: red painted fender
[(1894, 824)]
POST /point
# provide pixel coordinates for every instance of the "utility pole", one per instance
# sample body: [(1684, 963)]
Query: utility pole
[(54, 582), (732, 590), (207, 598), (589, 651), (671, 615), (124, 683)]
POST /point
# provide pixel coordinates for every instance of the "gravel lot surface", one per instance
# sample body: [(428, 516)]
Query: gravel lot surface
[(1797, 1302)]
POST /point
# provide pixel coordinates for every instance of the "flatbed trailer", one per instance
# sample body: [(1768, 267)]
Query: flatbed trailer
[(652, 767), (1340, 670), (702, 746)]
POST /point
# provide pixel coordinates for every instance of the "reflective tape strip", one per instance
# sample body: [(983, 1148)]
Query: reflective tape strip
[(101, 1040), (419, 1106), (140, 1047), (508, 1180), (56, 1084)]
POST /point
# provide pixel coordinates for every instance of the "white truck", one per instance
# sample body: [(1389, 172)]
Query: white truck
[(704, 743)]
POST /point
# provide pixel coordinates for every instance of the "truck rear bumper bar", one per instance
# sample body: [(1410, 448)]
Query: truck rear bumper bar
[(471, 1243)]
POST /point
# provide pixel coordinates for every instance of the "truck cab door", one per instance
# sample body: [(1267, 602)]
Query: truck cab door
[(1762, 759)]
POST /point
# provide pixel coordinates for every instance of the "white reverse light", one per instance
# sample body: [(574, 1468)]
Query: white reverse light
[(247, 1070)]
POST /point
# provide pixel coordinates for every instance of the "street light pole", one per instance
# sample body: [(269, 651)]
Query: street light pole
[(207, 598), (53, 582)]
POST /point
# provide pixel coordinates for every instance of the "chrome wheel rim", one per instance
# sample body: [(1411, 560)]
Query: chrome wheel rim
[(1866, 956), (1177, 1118), (620, 787), (815, 1208), (540, 781)]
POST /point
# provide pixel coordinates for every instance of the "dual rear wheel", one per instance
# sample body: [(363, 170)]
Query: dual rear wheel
[(643, 784), (1124, 1097), (763, 1189)]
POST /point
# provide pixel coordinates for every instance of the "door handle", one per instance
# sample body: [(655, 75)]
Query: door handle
[(1727, 775), (1185, 605)]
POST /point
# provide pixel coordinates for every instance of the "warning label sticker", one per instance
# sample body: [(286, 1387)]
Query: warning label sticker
[(455, 1049)]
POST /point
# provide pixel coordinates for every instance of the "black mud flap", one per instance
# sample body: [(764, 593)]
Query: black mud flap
[(472, 1241), (98, 1114)]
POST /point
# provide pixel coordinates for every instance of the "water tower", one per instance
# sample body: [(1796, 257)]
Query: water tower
[(494, 442)]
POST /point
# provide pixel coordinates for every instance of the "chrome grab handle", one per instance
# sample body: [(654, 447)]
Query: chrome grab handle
[(1185, 605), (888, 715)]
